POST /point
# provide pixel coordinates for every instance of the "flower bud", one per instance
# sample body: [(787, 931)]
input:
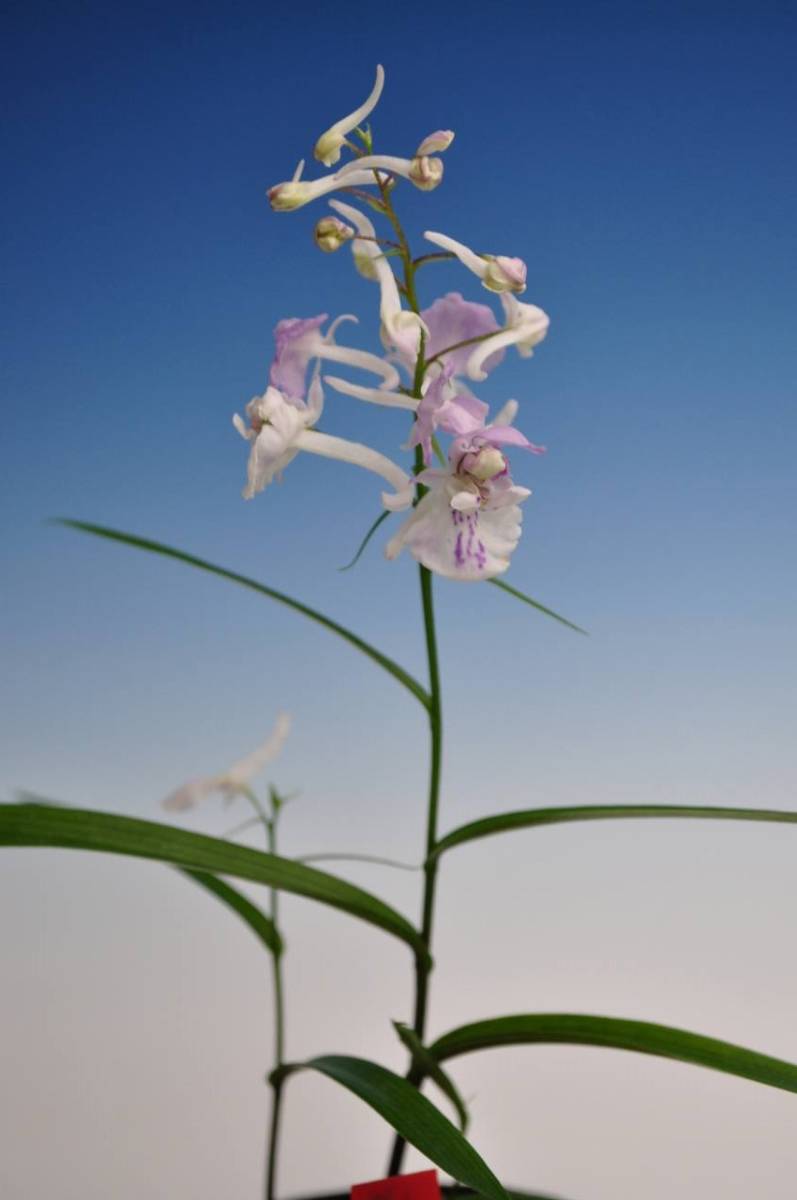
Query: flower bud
[(505, 274), (330, 233), (435, 143), (426, 173), (284, 197)]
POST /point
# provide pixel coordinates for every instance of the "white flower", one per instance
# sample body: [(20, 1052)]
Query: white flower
[(401, 329), (426, 173), (236, 779), (296, 192), (468, 523), (497, 272), (279, 428), (526, 325), (327, 148)]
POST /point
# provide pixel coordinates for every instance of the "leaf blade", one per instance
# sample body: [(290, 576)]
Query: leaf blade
[(192, 560), (644, 1037), (261, 925), (527, 818), (413, 1117), (426, 1065), (372, 528), (86, 829), (548, 612)]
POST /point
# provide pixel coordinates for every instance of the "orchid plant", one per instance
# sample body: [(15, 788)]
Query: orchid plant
[(461, 518)]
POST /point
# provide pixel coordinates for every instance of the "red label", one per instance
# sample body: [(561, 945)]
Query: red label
[(422, 1185)]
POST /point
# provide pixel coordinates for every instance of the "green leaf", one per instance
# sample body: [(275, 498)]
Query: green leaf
[(129, 539), (525, 818), (426, 1065), (548, 612), (413, 1117), (261, 925), (383, 516), (85, 829), (644, 1037)]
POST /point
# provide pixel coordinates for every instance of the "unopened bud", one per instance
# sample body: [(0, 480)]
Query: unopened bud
[(426, 173), (330, 234), (435, 143), (284, 197), (505, 274)]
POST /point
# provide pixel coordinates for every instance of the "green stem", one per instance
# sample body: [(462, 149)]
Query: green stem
[(276, 1078), (422, 968), (472, 341)]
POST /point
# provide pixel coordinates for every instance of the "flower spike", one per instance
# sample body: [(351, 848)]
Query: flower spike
[(497, 272), (327, 148)]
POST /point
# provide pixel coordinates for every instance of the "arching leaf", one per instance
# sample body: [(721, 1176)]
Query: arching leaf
[(644, 1037), (139, 543), (412, 1116), (526, 818), (261, 925), (84, 829)]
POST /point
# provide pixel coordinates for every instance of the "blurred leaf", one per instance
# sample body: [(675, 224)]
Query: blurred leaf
[(261, 925), (412, 1116), (645, 1037), (548, 612), (429, 1066), (85, 829), (526, 818), (383, 516), (129, 539)]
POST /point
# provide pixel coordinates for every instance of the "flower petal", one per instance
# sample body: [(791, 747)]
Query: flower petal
[(242, 772), (361, 456), (452, 319), (466, 546), (372, 395)]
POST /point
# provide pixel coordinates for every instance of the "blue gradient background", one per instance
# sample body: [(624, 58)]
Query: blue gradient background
[(640, 158)]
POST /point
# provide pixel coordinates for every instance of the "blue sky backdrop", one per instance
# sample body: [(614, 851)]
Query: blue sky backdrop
[(640, 158)]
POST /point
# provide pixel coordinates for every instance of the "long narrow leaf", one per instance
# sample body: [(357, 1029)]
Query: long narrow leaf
[(84, 829), (261, 925), (425, 1065), (413, 1117), (644, 1037), (548, 612), (129, 539), (526, 818), (383, 516)]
